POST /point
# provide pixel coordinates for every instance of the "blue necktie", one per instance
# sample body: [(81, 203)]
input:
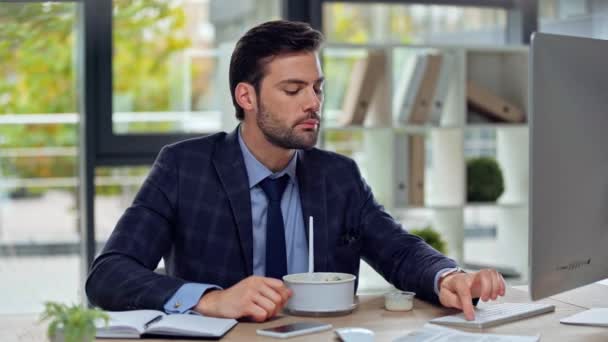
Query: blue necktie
[(276, 256)]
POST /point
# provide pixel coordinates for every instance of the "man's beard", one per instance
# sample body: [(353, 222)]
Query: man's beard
[(286, 137)]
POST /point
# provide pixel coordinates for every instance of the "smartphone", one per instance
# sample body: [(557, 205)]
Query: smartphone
[(294, 329)]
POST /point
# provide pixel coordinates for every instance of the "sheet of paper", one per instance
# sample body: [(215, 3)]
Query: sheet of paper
[(434, 333), (603, 282), (597, 317)]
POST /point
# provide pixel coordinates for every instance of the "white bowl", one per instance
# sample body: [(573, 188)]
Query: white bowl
[(321, 292)]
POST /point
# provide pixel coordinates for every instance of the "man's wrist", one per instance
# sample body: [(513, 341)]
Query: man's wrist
[(447, 274), (206, 304)]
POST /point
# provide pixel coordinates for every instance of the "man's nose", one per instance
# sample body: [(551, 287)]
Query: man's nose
[(314, 101)]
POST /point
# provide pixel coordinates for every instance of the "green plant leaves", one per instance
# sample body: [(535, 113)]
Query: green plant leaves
[(431, 237), (76, 323), (484, 180)]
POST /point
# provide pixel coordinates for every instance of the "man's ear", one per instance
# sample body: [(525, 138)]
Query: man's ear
[(245, 96)]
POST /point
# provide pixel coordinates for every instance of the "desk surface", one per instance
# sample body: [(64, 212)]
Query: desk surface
[(387, 325)]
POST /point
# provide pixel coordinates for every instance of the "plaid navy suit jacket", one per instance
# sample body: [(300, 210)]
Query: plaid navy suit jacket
[(194, 211)]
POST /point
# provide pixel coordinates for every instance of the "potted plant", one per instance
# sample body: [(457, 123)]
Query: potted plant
[(432, 237), (71, 323), (484, 180)]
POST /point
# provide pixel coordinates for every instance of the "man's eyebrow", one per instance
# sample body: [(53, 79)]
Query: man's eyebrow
[(299, 81)]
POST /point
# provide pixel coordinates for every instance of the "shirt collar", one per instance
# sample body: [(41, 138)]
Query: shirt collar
[(256, 171)]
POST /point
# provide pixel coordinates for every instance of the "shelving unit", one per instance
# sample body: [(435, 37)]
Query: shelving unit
[(380, 148)]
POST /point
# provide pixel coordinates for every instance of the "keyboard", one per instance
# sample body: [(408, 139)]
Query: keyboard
[(495, 314)]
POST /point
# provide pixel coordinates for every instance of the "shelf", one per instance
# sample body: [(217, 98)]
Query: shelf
[(494, 205), (477, 126), (356, 128), (391, 157), (413, 129), (416, 129), (480, 48), (466, 206), (431, 207), (423, 129)]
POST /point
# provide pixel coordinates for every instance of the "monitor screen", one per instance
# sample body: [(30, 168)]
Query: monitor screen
[(568, 163)]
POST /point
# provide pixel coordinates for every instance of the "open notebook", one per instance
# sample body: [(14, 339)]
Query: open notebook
[(138, 323)]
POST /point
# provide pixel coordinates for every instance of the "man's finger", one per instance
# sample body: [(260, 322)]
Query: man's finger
[(256, 313), (449, 299), (464, 295), (278, 286), (285, 294), (277, 299), (503, 286), (273, 282), (495, 285), (485, 281), (271, 294), (266, 304)]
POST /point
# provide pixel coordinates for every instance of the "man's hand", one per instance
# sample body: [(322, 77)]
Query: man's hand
[(457, 289), (257, 297)]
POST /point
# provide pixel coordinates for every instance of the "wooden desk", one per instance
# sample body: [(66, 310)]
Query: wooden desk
[(590, 296), (371, 314)]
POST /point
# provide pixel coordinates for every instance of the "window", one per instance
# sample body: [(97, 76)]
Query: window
[(39, 237), (170, 62), (170, 76), (574, 17), (401, 24)]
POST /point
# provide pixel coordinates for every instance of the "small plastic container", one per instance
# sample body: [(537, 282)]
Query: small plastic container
[(399, 300)]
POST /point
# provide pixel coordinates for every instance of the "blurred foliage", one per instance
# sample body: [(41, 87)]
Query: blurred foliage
[(367, 23), (122, 172), (38, 73), (432, 237), (146, 34), (73, 322), (343, 142), (346, 24)]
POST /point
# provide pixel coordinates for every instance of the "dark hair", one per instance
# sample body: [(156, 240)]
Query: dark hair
[(257, 47)]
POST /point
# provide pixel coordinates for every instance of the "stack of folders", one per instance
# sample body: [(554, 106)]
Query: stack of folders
[(486, 103), (151, 323), (364, 88), (417, 162), (409, 169), (422, 89)]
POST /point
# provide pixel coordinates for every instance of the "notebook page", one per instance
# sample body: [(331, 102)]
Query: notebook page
[(126, 323), (191, 325)]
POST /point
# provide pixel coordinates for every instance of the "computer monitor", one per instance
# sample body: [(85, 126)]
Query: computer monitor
[(568, 163)]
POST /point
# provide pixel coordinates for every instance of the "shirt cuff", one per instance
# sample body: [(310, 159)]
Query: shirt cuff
[(438, 275), (186, 297)]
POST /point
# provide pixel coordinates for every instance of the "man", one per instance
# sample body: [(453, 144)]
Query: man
[(228, 211)]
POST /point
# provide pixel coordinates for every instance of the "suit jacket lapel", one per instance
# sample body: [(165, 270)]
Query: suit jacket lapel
[(230, 167), (314, 199)]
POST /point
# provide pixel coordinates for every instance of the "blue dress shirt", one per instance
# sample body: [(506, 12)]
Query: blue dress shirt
[(187, 296)]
